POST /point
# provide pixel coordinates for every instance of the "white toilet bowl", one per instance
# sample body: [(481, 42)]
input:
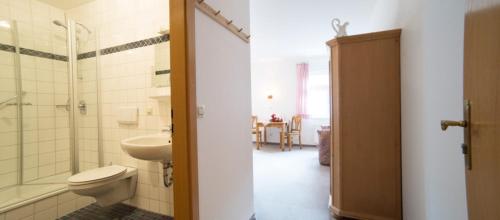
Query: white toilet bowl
[(108, 185)]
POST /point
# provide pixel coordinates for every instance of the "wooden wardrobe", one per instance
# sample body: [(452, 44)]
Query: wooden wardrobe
[(366, 120)]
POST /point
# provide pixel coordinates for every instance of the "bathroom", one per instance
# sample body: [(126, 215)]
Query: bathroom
[(76, 79)]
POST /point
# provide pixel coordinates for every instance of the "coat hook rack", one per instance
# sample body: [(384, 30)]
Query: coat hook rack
[(219, 18)]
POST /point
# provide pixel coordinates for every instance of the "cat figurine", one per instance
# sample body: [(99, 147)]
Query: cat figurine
[(339, 28)]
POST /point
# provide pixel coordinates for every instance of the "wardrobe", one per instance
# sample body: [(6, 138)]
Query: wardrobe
[(366, 122)]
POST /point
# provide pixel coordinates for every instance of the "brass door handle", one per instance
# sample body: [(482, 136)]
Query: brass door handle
[(466, 124), (446, 123)]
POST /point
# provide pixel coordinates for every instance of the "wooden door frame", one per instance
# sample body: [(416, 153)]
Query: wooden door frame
[(183, 85)]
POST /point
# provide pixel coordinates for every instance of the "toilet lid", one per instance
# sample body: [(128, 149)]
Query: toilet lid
[(98, 174)]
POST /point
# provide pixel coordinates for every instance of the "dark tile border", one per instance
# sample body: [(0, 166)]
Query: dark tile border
[(42, 54), (35, 53), (105, 51), (161, 72), (136, 44), (86, 55), (117, 211), (7, 48)]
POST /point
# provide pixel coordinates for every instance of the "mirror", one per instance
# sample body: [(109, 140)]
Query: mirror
[(161, 74)]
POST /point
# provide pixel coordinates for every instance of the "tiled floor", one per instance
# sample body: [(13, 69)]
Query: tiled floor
[(290, 185), (118, 211)]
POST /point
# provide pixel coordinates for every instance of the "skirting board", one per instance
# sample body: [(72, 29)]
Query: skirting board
[(330, 206), (337, 214), (295, 145)]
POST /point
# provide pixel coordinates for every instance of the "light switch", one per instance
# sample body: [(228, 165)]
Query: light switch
[(201, 111), (149, 110)]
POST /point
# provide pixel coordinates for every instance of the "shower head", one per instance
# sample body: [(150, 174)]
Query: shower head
[(84, 27), (59, 23)]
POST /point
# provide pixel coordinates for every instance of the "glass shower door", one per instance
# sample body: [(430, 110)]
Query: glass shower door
[(45, 80), (87, 96), (9, 118), (49, 107)]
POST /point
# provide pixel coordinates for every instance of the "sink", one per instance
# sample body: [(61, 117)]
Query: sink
[(156, 147)]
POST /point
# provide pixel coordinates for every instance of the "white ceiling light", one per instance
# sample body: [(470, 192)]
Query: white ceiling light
[(4, 24), (66, 4)]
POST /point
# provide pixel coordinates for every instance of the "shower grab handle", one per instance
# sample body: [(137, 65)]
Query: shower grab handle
[(24, 103), (4, 102), (8, 100), (66, 106)]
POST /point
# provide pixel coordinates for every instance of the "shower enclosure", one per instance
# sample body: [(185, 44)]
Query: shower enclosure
[(49, 107)]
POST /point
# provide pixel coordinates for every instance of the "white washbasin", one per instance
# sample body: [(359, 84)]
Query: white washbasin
[(156, 147)]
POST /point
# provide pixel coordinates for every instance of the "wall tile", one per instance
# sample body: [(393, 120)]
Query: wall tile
[(8, 166), (8, 179), (20, 213), (45, 204), (48, 214), (66, 208)]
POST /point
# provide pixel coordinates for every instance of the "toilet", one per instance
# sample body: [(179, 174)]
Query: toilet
[(108, 185)]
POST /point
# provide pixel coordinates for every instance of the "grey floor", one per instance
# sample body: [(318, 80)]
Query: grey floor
[(290, 185), (114, 212)]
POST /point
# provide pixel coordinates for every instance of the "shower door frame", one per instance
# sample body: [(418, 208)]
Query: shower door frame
[(72, 95), (74, 115), (19, 100)]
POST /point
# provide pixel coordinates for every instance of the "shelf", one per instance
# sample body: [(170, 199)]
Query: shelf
[(161, 94)]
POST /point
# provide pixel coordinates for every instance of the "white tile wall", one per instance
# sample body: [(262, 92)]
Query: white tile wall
[(8, 124), (50, 208), (126, 81)]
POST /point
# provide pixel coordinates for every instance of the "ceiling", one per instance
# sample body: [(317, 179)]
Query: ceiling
[(297, 28), (66, 4)]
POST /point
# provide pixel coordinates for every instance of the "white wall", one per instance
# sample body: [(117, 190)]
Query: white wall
[(432, 60), (298, 28), (224, 137), (279, 78)]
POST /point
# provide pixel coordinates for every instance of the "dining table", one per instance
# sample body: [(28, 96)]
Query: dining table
[(277, 125)]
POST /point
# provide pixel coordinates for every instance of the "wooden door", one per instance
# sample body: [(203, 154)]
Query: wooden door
[(482, 88)]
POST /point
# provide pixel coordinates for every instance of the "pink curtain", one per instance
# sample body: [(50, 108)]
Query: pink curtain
[(302, 78)]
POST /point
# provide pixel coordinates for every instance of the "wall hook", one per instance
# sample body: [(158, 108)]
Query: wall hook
[(218, 17)]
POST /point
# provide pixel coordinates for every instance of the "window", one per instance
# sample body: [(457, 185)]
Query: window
[(318, 95)]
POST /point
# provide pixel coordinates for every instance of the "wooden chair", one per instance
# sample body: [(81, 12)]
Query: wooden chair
[(256, 130), (295, 129)]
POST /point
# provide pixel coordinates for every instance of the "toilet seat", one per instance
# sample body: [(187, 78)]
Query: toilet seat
[(97, 175)]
